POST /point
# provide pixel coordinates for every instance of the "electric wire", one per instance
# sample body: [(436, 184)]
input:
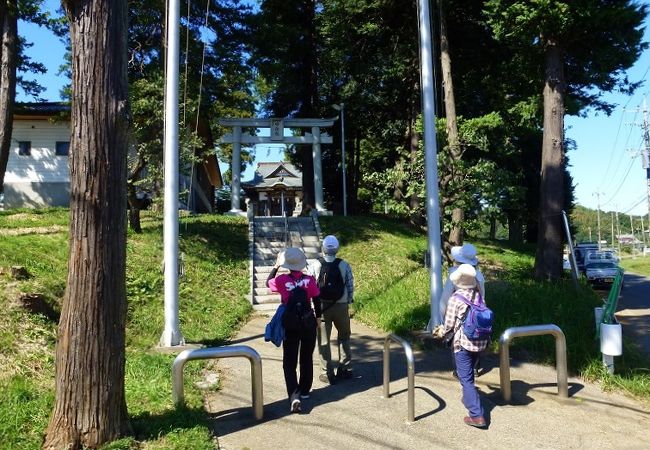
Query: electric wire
[(609, 181), (638, 202), (621, 183)]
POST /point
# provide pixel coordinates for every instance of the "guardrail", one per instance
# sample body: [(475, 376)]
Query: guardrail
[(533, 330), (410, 369), (215, 353)]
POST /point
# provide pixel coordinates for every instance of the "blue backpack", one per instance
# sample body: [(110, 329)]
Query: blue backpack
[(478, 320)]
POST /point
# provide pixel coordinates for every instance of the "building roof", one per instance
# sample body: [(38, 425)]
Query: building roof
[(275, 174), (41, 109)]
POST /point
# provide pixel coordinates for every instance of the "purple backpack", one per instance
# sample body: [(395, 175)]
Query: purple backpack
[(478, 320)]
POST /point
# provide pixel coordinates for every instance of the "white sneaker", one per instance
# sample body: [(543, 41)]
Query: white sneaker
[(295, 403)]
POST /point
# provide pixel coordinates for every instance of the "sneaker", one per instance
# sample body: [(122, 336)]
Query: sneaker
[(295, 403), (344, 374), (304, 396), (327, 378), (478, 422)]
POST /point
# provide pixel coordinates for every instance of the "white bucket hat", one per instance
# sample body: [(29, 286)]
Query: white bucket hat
[(464, 277), (465, 254), (294, 259), (330, 245)]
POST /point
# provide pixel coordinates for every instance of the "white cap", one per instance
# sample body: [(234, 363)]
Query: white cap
[(330, 245)]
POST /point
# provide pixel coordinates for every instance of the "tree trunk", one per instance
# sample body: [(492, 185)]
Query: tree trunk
[(493, 227), (9, 45), (457, 215), (548, 258), (417, 218), (90, 407)]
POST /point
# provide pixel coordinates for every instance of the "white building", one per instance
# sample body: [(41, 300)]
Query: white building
[(37, 170)]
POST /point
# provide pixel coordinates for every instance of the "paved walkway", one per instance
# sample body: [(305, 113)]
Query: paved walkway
[(353, 414), (634, 310)]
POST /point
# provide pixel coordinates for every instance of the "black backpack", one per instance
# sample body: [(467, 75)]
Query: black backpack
[(330, 280), (298, 315)]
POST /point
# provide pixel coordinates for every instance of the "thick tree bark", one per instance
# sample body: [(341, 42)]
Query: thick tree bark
[(548, 258), (457, 215), (9, 45), (90, 407)]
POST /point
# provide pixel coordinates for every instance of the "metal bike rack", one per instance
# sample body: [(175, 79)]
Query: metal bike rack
[(533, 330), (221, 352), (411, 372)]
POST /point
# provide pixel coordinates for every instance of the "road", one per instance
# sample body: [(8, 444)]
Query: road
[(634, 310)]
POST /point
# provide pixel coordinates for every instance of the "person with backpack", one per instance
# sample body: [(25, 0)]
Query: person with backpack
[(298, 293), (461, 254), (336, 285), (465, 254), (468, 322)]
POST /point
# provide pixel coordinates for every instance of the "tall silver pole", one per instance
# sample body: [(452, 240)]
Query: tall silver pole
[(572, 255), (171, 335), (430, 161), (345, 194)]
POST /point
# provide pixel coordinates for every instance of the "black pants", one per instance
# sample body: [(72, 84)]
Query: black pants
[(295, 343)]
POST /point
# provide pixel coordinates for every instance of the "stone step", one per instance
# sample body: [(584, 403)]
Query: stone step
[(262, 291), (267, 299)]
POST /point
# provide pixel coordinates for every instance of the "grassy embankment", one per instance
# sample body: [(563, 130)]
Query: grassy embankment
[(392, 294), (639, 265)]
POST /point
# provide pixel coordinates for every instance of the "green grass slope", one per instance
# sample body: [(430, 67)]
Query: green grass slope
[(392, 293)]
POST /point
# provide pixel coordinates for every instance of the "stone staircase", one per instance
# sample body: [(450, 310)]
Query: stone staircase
[(268, 237)]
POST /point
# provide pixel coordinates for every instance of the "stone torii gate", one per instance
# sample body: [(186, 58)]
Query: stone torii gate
[(237, 138)]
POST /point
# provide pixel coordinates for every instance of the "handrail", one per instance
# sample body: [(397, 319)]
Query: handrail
[(221, 352), (612, 301), (533, 330), (286, 230), (410, 370)]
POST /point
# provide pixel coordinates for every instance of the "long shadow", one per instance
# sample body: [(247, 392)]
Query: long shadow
[(368, 374), (152, 426)]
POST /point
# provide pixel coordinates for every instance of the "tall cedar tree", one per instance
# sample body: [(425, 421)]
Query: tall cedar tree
[(286, 53), (584, 48), (90, 407), (8, 55)]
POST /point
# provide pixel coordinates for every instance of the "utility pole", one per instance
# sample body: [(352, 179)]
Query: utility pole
[(618, 232), (633, 237), (612, 241), (643, 232), (598, 194), (645, 154)]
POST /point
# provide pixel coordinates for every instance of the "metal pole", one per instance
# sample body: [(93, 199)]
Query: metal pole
[(572, 256), (235, 185), (318, 169), (171, 335), (234, 351), (430, 160), (345, 194), (533, 330)]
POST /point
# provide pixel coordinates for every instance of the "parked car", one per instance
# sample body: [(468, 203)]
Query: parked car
[(602, 273), (602, 255), (581, 250)]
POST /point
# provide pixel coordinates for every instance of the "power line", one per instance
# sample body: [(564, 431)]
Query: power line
[(621, 183), (641, 200)]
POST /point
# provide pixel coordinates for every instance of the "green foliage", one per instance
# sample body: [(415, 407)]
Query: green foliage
[(393, 294), (639, 265), (212, 306)]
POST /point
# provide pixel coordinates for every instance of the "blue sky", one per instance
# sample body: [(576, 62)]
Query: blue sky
[(606, 164)]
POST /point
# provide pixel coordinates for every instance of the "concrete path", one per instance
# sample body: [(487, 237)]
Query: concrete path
[(634, 310), (352, 414)]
